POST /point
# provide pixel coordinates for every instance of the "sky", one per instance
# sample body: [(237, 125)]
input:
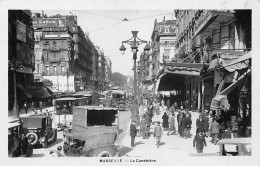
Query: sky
[(107, 30)]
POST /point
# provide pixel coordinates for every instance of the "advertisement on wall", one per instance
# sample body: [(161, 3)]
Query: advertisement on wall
[(49, 22), (21, 31)]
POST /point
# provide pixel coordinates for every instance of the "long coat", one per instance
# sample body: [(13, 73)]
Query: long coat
[(165, 121), (214, 128), (199, 124), (206, 123), (199, 141), (133, 130)]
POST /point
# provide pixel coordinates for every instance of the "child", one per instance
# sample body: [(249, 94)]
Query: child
[(158, 132)]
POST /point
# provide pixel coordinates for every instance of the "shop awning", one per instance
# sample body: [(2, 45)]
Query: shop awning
[(188, 69), (227, 57), (219, 102), (38, 92), (235, 84), (240, 63), (212, 21), (20, 86), (53, 90)]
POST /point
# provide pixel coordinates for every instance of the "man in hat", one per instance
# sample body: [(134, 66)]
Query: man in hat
[(143, 126), (199, 141), (133, 132)]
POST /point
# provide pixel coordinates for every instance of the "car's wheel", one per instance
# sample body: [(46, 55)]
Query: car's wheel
[(104, 152), (33, 137)]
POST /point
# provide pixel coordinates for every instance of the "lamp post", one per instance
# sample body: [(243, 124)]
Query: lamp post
[(134, 42), (14, 66)]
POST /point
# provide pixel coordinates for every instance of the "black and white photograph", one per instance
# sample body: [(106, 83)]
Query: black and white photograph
[(130, 83)]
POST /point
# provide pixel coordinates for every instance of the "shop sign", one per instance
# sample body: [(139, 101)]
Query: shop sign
[(21, 31), (49, 22), (54, 29), (30, 36)]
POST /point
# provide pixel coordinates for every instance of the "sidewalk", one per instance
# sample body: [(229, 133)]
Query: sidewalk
[(172, 146), (29, 112)]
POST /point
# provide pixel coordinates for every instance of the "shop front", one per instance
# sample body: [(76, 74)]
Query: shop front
[(235, 111), (184, 82)]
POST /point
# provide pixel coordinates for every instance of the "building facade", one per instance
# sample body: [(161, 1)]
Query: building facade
[(63, 53), (215, 39)]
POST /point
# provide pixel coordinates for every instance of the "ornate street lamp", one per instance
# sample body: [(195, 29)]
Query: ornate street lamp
[(14, 66), (134, 42)]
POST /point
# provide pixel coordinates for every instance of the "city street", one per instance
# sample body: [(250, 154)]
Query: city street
[(173, 145)]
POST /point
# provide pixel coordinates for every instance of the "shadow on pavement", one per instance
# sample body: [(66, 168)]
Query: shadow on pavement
[(59, 140), (124, 150), (138, 143), (37, 155), (161, 143)]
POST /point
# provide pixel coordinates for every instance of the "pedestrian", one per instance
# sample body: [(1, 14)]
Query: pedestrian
[(206, 123), (199, 141), (24, 144), (187, 126), (134, 111), (142, 109), (199, 124), (33, 106), (157, 107), (179, 123), (133, 132), (25, 107), (148, 122), (163, 108), (165, 121), (158, 132), (172, 124), (214, 131), (41, 106), (143, 127), (175, 106), (168, 104), (182, 120)]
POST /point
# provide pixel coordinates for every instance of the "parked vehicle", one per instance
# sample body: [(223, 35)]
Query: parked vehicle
[(17, 147), (38, 129), (94, 132), (63, 110), (231, 147), (119, 99)]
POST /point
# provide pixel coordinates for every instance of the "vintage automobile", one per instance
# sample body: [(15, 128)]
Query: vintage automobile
[(94, 132), (38, 128), (119, 99), (231, 147), (17, 147)]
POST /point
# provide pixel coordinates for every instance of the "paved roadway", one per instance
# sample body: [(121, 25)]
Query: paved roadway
[(124, 122)]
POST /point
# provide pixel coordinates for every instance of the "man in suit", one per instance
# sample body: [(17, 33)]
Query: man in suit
[(214, 131), (133, 132), (199, 124), (199, 141)]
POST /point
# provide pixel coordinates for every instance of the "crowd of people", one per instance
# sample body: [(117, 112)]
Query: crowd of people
[(176, 121)]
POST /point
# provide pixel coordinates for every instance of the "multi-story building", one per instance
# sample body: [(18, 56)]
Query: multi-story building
[(108, 71), (101, 69), (162, 48), (21, 62), (207, 42), (64, 54), (55, 52)]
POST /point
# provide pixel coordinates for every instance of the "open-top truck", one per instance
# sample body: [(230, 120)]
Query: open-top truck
[(94, 132)]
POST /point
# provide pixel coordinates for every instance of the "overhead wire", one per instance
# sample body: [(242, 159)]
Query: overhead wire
[(98, 15), (121, 20)]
